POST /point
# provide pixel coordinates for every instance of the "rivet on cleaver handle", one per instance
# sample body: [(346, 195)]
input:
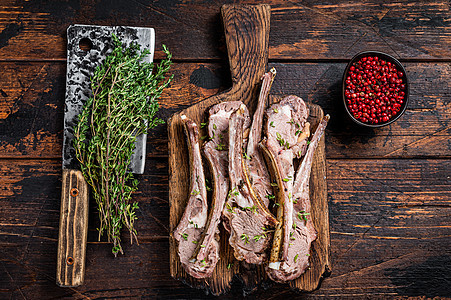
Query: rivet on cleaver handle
[(81, 65), (73, 230)]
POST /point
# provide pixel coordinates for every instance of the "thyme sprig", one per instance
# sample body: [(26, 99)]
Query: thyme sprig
[(245, 238), (123, 105)]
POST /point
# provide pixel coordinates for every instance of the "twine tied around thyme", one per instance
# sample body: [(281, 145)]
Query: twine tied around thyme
[(125, 90)]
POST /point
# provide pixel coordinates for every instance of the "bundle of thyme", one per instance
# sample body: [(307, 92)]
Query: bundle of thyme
[(123, 105)]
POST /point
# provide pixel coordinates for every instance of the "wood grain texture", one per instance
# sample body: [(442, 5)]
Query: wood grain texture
[(301, 30), (32, 92), (404, 254), (388, 189), (73, 230)]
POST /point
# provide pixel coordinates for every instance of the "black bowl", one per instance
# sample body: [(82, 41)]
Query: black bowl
[(387, 58)]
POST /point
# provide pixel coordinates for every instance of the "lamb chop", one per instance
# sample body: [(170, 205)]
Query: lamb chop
[(258, 173), (247, 217), (303, 232), (217, 157), (194, 220), (285, 122)]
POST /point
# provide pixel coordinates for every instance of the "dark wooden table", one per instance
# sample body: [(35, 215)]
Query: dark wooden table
[(389, 188)]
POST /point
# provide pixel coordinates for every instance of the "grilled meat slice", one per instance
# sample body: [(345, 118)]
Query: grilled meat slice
[(247, 217), (218, 121), (218, 130), (217, 157), (303, 232), (217, 161), (193, 223), (258, 173), (285, 122)]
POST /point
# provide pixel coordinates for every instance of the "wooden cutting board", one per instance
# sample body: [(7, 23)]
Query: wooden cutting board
[(247, 34)]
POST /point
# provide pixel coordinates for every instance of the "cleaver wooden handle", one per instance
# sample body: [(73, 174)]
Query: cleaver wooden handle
[(73, 231)]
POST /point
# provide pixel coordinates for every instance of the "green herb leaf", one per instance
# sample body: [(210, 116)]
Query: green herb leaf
[(258, 237), (220, 147), (124, 102), (245, 238), (281, 141), (253, 209), (207, 185), (302, 215), (194, 224), (229, 208)]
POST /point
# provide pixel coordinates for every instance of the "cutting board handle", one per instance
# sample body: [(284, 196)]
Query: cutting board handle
[(70, 271), (246, 30)]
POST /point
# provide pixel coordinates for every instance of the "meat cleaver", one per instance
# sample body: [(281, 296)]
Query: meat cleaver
[(87, 47)]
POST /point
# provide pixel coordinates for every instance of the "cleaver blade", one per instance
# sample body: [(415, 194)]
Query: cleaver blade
[(81, 64)]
